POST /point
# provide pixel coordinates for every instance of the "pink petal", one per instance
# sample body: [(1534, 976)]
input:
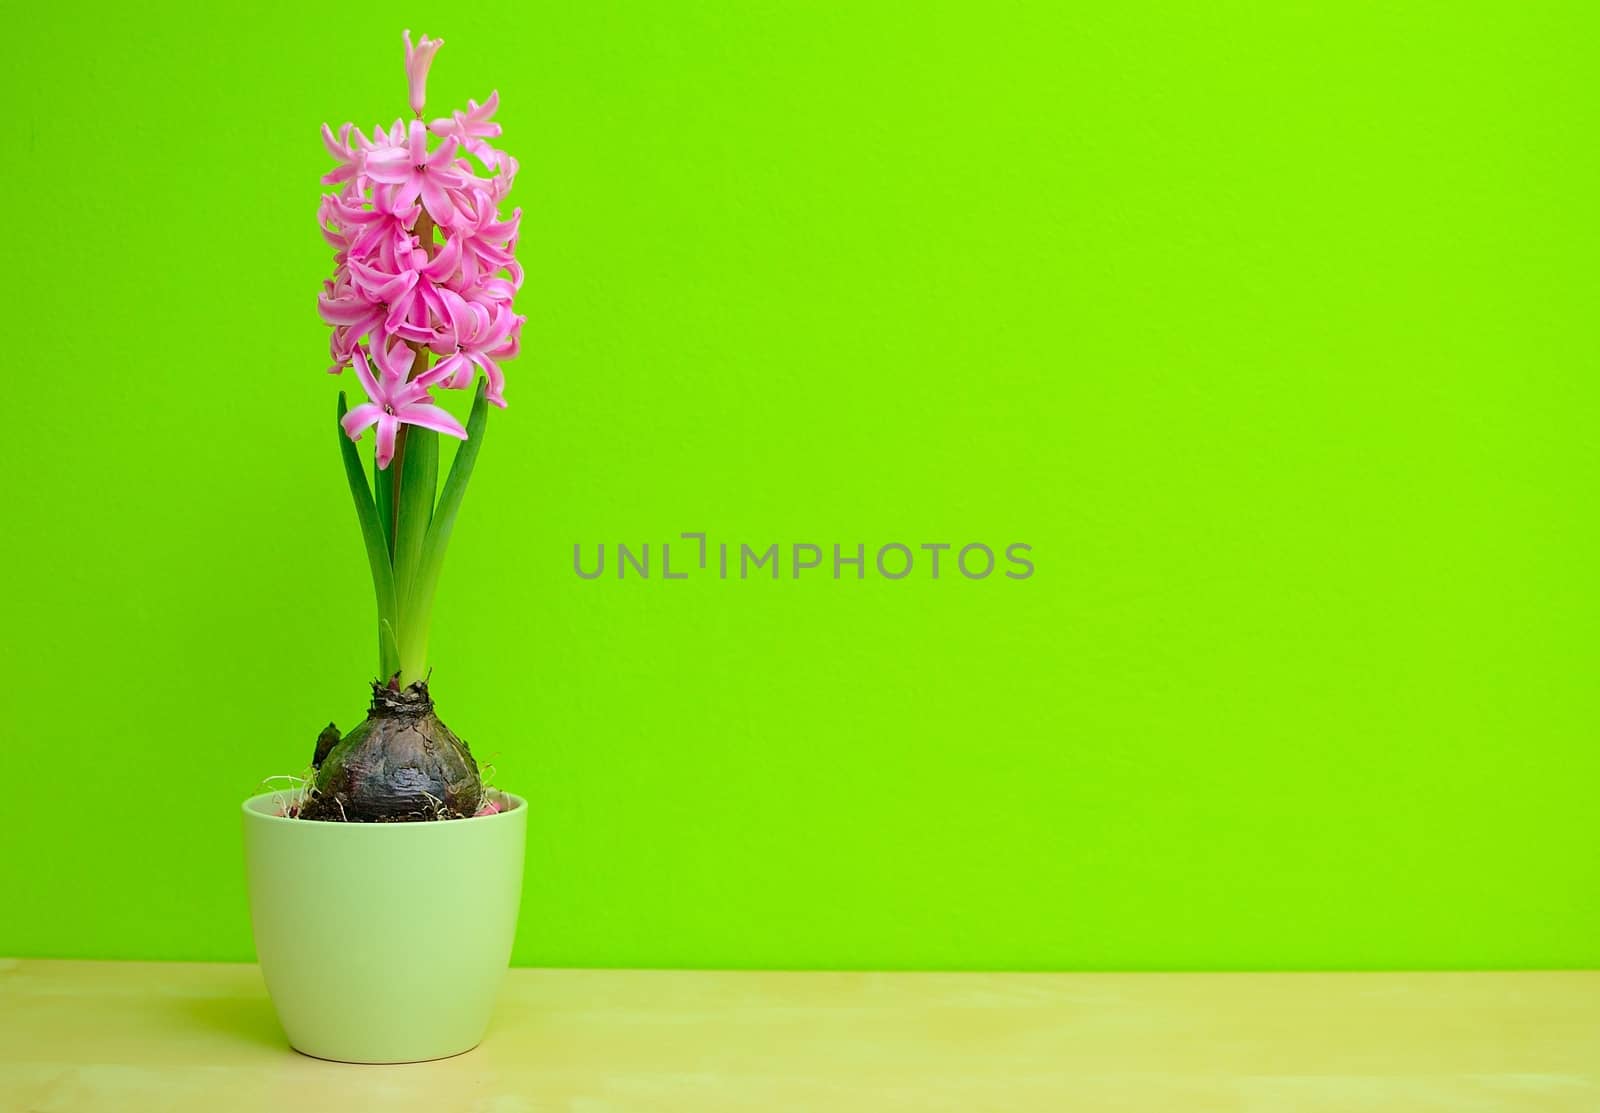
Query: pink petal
[(360, 419), (338, 149), (364, 373), (431, 417), (513, 342), (455, 312), (389, 165), (413, 393), (395, 323), (497, 379), (443, 158), (448, 369), (499, 328), (495, 289), (406, 191), (418, 59), (342, 311), (390, 291), (503, 230), (394, 361), (412, 329), (444, 264), (481, 319), (387, 428), (437, 201)]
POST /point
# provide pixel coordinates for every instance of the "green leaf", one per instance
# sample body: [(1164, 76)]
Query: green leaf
[(384, 483), (419, 483), (388, 649), (425, 582), (372, 534)]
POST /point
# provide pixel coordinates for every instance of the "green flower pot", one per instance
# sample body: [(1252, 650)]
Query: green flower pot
[(384, 942)]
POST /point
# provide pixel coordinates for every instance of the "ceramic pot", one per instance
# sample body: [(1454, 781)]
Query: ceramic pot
[(384, 942)]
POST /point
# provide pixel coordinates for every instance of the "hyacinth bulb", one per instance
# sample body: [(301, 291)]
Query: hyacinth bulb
[(402, 763)]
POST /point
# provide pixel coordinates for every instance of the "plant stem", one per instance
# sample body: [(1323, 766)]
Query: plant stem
[(413, 514)]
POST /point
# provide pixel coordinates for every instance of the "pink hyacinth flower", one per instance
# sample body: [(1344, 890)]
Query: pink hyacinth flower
[(354, 310), (345, 151), (474, 336), (500, 185), (412, 312), (418, 59), (414, 172), (394, 401), (487, 244), (472, 127), (378, 232)]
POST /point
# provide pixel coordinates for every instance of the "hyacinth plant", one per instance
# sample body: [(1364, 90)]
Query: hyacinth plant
[(420, 300)]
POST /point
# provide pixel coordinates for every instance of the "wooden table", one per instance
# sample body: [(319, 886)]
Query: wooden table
[(129, 1037)]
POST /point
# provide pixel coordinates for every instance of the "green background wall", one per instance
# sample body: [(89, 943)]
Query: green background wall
[(1272, 331)]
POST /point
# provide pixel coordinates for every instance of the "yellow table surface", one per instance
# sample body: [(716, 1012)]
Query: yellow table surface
[(126, 1037)]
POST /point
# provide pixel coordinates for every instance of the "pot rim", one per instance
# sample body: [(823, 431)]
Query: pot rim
[(254, 812)]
